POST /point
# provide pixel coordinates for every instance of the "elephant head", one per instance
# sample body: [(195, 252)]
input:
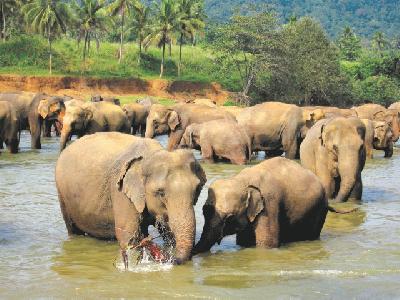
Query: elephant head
[(161, 120), (167, 185), (344, 141), (51, 108), (75, 121), (382, 134), (310, 117), (190, 138), (231, 206), (392, 117)]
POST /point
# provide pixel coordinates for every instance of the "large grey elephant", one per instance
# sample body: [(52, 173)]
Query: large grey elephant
[(9, 126), (275, 127), (133, 184), (137, 116), (274, 202), (218, 139), (174, 120), (83, 118), (334, 150), (33, 109), (379, 136)]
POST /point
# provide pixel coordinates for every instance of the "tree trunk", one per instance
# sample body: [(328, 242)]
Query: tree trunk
[(122, 35), (4, 22), (50, 50), (140, 48), (162, 60), (180, 55), (170, 48)]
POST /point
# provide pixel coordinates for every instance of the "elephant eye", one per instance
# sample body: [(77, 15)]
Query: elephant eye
[(159, 193)]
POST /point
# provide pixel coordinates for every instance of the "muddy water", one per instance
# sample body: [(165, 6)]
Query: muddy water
[(358, 255)]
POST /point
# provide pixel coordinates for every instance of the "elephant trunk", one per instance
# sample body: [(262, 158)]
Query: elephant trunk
[(349, 167), (65, 136), (212, 230), (149, 131), (183, 225)]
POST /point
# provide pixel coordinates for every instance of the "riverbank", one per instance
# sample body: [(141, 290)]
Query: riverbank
[(82, 87)]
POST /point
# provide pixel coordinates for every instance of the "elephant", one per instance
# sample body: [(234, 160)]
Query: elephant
[(218, 139), (378, 135), (33, 109), (274, 127), (334, 150), (234, 110), (378, 112), (54, 123), (206, 102), (9, 126), (277, 201), (112, 100), (174, 120), (133, 184), (332, 111), (147, 101), (395, 105), (137, 116), (83, 118)]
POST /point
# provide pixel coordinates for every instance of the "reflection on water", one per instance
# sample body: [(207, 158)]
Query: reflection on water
[(358, 254)]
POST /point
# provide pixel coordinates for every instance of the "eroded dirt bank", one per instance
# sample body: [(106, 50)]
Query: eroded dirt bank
[(84, 86)]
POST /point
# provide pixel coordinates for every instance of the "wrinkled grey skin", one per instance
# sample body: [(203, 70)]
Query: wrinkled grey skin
[(274, 202), (135, 183), (274, 127), (334, 150), (137, 116), (174, 120), (218, 139), (112, 100), (9, 126), (33, 109), (83, 118), (379, 136)]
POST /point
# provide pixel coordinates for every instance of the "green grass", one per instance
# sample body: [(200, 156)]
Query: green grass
[(28, 55)]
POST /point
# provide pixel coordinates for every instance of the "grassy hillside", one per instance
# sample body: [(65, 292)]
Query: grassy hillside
[(365, 16), (29, 56)]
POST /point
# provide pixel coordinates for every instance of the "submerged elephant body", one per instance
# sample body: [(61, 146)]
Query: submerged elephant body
[(33, 109), (218, 139), (334, 150), (134, 183), (174, 120), (83, 118), (9, 126), (274, 202)]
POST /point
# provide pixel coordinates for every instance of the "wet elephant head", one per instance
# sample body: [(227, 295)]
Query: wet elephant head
[(383, 135), (51, 108), (344, 142), (161, 120), (168, 185), (230, 207), (190, 138), (391, 117), (75, 121)]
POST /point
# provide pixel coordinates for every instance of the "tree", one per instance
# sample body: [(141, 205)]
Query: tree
[(6, 7), (92, 20), (349, 45), (48, 17), (123, 8), (140, 23), (166, 24), (249, 44), (379, 42)]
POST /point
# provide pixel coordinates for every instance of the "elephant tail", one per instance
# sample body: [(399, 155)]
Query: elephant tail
[(338, 211)]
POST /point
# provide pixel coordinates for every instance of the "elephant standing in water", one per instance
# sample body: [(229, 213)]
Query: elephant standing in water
[(33, 110), (334, 150), (274, 202), (131, 184), (9, 126), (137, 116), (83, 118), (378, 135), (218, 139), (174, 120)]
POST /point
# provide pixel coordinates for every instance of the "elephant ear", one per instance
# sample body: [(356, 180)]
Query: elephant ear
[(254, 202), (379, 115), (130, 177), (173, 119), (43, 108)]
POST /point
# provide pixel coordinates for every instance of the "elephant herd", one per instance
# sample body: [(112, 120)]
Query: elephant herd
[(114, 184)]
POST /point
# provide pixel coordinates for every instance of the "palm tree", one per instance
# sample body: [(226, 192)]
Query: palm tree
[(92, 20), (379, 41), (168, 16), (5, 7), (141, 17), (48, 17), (123, 8), (192, 20)]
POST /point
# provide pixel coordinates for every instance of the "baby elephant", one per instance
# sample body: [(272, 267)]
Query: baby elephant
[(379, 136), (218, 139), (274, 202)]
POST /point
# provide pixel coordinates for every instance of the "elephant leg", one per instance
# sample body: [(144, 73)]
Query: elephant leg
[(389, 150), (47, 128), (127, 226), (267, 228), (142, 129), (246, 237), (207, 152), (290, 146), (135, 129), (356, 193), (69, 223), (174, 139), (1, 144)]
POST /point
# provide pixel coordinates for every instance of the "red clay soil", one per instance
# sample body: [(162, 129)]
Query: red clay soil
[(81, 87)]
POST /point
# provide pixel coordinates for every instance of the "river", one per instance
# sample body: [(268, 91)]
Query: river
[(358, 255)]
